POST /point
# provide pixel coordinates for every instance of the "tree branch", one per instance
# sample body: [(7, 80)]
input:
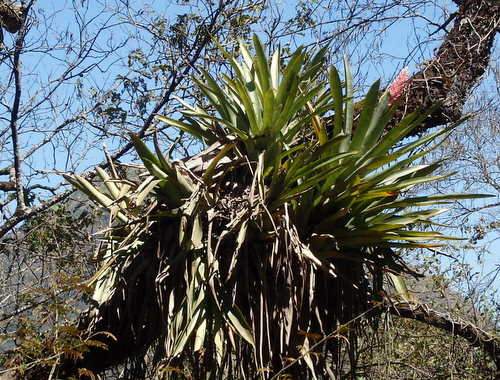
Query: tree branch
[(458, 65), (474, 335), (14, 115)]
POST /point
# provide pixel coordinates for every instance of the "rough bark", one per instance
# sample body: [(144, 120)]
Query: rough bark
[(458, 65)]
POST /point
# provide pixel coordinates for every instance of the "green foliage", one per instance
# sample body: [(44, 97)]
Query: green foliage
[(44, 333), (352, 180), (58, 232), (286, 232)]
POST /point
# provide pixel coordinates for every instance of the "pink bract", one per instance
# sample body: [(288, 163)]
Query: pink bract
[(398, 86)]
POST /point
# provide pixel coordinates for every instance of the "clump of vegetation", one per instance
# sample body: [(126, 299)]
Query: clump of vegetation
[(263, 259)]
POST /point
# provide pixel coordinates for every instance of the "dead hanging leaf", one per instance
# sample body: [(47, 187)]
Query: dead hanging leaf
[(105, 333), (87, 373), (264, 370), (179, 371), (96, 343), (310, 335)]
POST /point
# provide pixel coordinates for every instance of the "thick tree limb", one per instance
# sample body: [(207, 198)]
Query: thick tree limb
[(474, 335), (458, 65)]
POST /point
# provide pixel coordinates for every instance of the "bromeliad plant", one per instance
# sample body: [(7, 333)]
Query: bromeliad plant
[(279, 234)]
